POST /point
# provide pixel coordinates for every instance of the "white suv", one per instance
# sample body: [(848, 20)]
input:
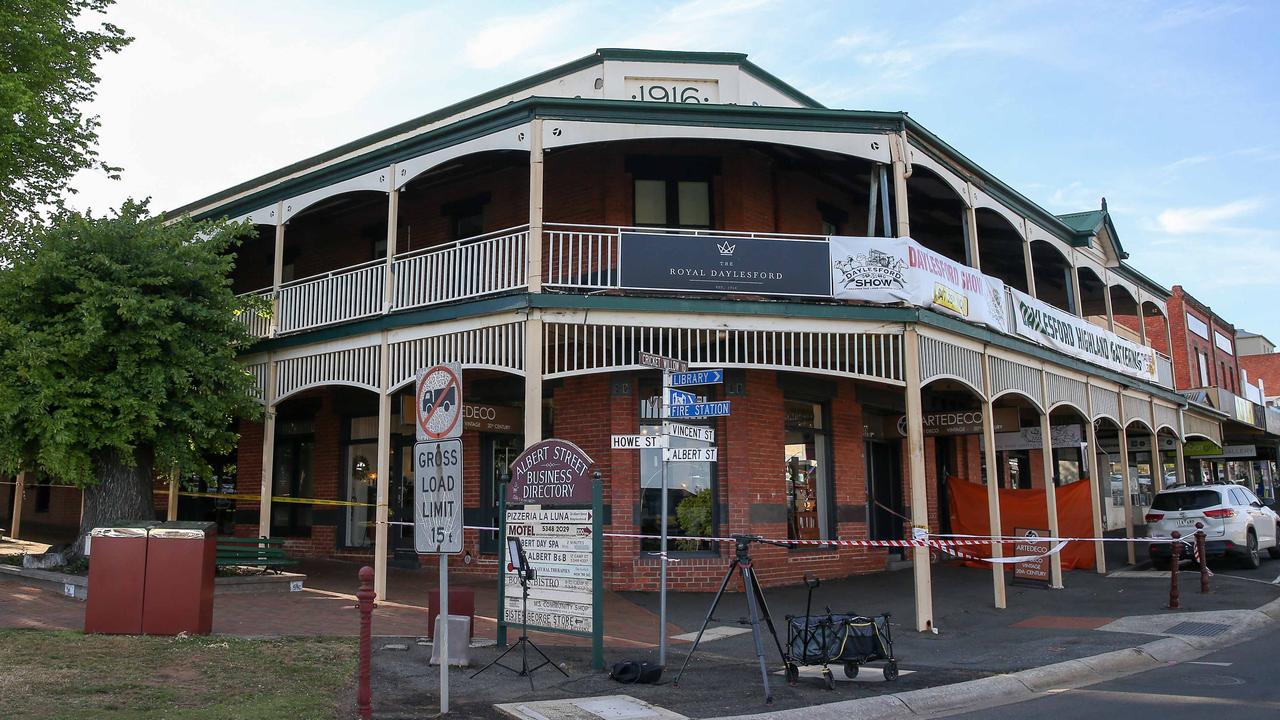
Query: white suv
[(1235, 522)]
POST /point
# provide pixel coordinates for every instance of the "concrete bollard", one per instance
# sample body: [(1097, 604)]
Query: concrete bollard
[(1204, 558), (1175, 559), (365, 595)]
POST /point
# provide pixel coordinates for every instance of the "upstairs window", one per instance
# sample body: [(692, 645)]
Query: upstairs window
[(833, 219), (672, 192), (466, 216)]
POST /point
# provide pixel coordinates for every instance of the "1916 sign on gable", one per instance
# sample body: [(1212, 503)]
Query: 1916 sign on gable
[(552, 472)]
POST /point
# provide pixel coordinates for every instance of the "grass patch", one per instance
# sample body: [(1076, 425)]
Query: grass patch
[(72, 676)]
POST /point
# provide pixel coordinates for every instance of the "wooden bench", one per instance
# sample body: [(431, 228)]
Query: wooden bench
[(267, 553)]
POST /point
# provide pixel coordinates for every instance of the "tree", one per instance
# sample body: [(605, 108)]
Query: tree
[(46, 77), (118, 345)]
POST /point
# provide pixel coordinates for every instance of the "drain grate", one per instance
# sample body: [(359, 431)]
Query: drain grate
[(1201, 629)]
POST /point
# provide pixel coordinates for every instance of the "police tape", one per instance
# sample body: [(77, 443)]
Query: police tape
[(274, 499)]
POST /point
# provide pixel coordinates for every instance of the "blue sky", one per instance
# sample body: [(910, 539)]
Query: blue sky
[(1169, 109)]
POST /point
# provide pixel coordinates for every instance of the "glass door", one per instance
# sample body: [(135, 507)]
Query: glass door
[(400, 537), (361, 487), (497, 453)]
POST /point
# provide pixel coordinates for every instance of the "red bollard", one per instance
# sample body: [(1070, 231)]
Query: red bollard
[(365, 595), (1204, 558), (1175, 548)]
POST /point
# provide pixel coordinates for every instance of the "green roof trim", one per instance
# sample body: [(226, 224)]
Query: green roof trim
[(1088, 221), (596, 58)]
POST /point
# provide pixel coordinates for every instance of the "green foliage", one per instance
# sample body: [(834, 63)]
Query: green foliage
[(47, 54), (694, 514), (121, 334)]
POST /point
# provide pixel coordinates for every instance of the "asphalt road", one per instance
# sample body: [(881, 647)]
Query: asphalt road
[(1240, 680)]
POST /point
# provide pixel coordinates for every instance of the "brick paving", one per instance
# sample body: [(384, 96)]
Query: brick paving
[(325, 607)]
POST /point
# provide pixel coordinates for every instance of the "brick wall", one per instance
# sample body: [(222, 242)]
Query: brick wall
[(1264, 367), (1223, 368)]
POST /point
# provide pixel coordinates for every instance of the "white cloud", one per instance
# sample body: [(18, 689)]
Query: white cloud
[(1075, 197), (506, 38), (1210, 219)]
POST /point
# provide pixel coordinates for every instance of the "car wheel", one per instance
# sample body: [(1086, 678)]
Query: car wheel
[(1274, 550), (1252, 558)]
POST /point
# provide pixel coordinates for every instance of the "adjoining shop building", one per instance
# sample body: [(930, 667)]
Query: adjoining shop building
[(508, 233)]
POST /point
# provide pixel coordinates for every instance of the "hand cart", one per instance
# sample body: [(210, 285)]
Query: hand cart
[(835, 638)]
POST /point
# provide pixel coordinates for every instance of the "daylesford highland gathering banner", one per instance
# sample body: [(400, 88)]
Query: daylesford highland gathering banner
[(901, 270), (1047, 325)]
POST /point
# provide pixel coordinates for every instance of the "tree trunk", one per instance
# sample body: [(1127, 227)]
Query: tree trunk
[(123, 493)]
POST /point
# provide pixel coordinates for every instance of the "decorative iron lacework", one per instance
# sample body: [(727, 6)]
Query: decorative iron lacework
[(1136, 408), (1166, 416), (1067, 391), (939, 359), (1011, 376), (497, 347), (259, 373), (1105, 404), (577, 349), (356, 366), (1196, 425)]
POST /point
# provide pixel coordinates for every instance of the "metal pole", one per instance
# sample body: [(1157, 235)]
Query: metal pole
[(443, 635), (365, 596), (1175, 550), (662, 573)]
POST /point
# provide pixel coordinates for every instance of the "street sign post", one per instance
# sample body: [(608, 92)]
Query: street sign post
[(689, 454), (637, 442), (699, 410), (662, 363), (676, 404), (697, 377), (689, 432), (437, 471)]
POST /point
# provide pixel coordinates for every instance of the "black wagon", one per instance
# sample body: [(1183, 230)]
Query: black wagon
[(834, 638)]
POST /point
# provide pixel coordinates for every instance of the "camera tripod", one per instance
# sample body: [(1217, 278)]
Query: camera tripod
[(756, 606), (524, 643)]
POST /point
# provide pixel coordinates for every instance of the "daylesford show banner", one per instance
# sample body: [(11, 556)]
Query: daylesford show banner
[(901, 270)]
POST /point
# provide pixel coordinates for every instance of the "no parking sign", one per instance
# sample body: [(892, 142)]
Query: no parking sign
[(439, 402)]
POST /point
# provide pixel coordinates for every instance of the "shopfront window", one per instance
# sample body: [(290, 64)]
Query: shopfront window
[(691, 488), (806, 472)]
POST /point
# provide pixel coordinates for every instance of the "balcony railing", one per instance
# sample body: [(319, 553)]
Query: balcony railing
[(575, 258), (469, 268), (460, 270), (339, 296), (258, 324)]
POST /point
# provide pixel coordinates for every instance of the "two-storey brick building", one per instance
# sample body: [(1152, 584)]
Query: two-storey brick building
[(899, 327)]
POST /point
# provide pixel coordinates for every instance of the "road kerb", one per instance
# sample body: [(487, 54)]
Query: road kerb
[(1065, 674), (971, 694), (1170, 649)]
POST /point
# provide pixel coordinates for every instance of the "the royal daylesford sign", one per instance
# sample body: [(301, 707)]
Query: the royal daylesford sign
[(552, 472), (890, 271), (1070, 335), (724, 264)]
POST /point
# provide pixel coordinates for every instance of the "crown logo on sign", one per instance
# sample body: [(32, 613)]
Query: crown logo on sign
[(726, 248)]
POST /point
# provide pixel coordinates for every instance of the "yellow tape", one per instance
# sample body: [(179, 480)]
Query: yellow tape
[(274, 499)]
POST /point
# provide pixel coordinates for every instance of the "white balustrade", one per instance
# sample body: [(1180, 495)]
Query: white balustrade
[(259, 324), (339, 296), (464, 269)]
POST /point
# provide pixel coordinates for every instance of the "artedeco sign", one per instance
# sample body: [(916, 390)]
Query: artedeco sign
[(1075, 336)]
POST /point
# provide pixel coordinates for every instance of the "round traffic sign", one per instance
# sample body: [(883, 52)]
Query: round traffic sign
[(439, 402)]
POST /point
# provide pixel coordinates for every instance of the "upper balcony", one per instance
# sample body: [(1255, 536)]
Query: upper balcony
[(576, 259)]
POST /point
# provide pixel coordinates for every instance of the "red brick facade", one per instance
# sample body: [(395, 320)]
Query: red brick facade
[(1222, 368)]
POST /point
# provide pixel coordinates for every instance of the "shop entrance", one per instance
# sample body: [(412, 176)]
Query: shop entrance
[(884, 490), (496, 453), (944, 449), (292, 478), (400, 502)]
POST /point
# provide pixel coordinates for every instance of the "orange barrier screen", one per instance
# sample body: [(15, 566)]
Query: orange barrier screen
[(1024, 509)]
